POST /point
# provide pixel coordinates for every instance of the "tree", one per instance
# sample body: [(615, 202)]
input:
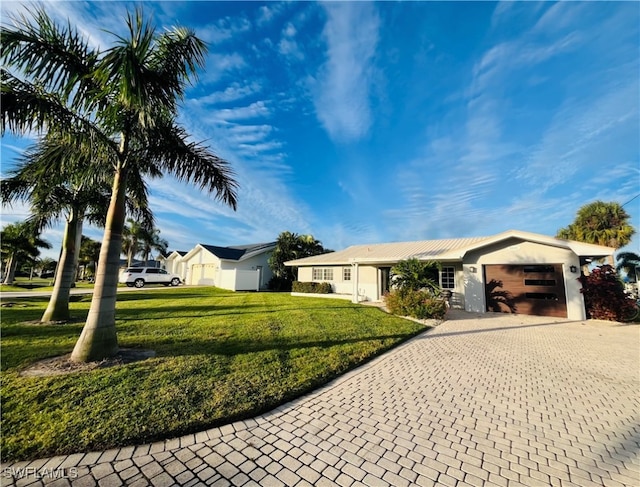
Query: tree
[(20, 242), (414, 275), (151, 240), (600, 223), (290, 246), (629, 263), (52, 176), (122, 100), (131, 235), (604, 295), (89, 253), (46, 265)]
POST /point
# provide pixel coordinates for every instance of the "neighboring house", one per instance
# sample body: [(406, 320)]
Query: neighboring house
[(175, 264), (514, 271), (238, 268)]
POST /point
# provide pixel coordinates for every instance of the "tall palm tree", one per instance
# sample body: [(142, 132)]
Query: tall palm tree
[(132, 235), (600, 223), (151, 240), (50, 176), (20, 242), (125, 101), (89, 253)]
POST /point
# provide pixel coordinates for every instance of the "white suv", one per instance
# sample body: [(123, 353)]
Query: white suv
[(139, 276)]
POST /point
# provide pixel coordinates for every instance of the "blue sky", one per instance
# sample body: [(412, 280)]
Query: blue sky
[(365, 122)]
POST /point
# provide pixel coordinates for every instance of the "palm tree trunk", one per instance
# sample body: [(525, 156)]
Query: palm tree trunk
[(98, 339), (58, 308), (10, 277)]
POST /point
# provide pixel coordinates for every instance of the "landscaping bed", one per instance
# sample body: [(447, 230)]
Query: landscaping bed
[(219, 356)]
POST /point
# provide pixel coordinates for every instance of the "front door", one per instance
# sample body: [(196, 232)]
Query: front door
[(385, 279)]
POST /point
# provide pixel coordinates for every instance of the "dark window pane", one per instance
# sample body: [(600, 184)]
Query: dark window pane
[(539, 282)]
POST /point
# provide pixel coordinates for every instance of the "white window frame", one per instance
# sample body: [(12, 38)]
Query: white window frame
[(322, 274), (448, 277), (346, 273)]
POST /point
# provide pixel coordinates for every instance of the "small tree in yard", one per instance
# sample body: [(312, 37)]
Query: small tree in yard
[(604, 294), (415, 290)]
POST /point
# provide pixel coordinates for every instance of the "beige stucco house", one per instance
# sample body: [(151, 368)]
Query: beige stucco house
[(237, 268), (514, 271)]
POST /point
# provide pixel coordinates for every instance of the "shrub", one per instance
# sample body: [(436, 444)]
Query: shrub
[(604, 295), (279, 284), (311, 287), (417, 304)]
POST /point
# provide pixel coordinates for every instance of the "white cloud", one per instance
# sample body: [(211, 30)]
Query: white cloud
[(218, 65), (342, 87), (234, 92), (255, 110), (224, 29)]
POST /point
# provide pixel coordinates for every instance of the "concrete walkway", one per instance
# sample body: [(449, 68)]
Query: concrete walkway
[(480, 400)]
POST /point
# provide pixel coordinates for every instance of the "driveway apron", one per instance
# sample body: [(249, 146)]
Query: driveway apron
[(487, 399)]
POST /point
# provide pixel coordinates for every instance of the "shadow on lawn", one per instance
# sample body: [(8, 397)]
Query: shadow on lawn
[(147, 313), (231, 347)]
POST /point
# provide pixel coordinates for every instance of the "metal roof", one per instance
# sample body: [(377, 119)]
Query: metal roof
[(441, 250)]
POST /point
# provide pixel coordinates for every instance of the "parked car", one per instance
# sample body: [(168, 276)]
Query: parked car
[(139, 276)]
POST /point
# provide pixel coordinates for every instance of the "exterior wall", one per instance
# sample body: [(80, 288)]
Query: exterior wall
[(369, 282), (518, 252), (202, 268), (238, 279), (175, 265), (338, 284), (252, 264), (305, 274)]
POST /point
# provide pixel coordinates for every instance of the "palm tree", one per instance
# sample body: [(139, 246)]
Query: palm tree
[(20, 242), (89, 252), (151, 240), (124, 101), (600, 223), (629, 262), (132, 234), (291, 246), (414, 275), (49, 175)]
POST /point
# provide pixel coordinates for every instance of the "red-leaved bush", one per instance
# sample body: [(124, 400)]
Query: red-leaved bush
[(604, 294)]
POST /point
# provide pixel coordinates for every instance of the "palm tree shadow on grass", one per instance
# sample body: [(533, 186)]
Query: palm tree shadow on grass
[(499, 299)]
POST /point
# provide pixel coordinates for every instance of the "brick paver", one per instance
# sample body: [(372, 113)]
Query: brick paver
[(480, 400)]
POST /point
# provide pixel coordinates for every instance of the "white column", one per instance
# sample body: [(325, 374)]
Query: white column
[(354, 297)]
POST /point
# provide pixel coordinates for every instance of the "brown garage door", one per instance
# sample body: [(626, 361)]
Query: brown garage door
[(536, 289)]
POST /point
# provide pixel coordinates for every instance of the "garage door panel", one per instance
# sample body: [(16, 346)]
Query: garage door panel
[(526, 289)]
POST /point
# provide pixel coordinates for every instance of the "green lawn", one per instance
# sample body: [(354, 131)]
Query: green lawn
[(221, 356), (37, 284)]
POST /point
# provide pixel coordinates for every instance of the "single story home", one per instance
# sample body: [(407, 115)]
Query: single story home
[(237, 268), (514, 271), (175, 265)]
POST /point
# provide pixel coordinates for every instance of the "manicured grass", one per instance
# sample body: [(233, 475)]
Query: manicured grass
[(221, 356), (36, 284)]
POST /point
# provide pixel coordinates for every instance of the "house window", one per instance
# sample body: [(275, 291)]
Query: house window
[(322, 274), (346, 274), (448, 278)]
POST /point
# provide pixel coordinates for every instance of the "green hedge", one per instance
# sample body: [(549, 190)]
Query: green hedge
[(417, 304), (311, 287)]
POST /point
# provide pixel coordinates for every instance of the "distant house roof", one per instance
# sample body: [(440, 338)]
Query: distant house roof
[(236, 252), (441, 250)]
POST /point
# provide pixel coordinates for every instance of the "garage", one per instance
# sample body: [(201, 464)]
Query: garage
[(534, 289)]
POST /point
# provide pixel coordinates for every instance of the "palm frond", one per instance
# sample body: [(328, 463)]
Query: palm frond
[(192, 162), (57, 56)]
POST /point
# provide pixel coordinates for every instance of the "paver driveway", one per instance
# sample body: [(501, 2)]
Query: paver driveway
[(480, 400)]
